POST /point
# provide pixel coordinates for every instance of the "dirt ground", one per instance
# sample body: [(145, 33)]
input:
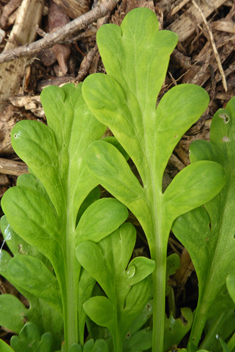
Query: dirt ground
[(42, 44)]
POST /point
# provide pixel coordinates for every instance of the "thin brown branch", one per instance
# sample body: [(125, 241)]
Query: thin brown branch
[(7, 10), (61, 34), (217, 57), (86, 63)]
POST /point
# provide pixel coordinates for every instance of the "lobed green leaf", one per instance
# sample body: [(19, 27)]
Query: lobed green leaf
[(209, 234), (127, 286), (29, 339), (176, 329)]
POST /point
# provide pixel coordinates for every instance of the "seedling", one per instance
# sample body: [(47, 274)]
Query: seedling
[(64, 238), (208, 232), (136, 57), (48, 213)]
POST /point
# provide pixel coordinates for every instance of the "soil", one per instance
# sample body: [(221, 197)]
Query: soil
[(204, 56)]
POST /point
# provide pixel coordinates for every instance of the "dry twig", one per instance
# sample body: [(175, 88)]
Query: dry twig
[(184, 27), (217, 57), (28, 16), (7, 10), (178, 6), (86, 63), (63, 33)]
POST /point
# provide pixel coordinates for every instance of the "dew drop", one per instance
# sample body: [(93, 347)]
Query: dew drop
[(7, 236), (131, 272)]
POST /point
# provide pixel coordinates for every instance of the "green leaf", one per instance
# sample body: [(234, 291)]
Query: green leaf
[(39, 313), (32, 214), (223, 303), (4, 347), (100, 346), (75, 128), (91, 257), (208, 234), (142, 318), (173, 263), (221, 325), (194, 231), (127, 286), (16, 244), (75, 348), (99, 332), (29, 340), (12, 313), (173, 117), (100, 219), (169, 121), (91, 198), (230, 282), (224, 345), (97, 346), (38, 138), (141, 340), (113, 172), (138, 295), (131, 66), (112, 140), (22, 267), (138, 269), (194, 185), (184, 350), (176, 329), (88, 345), (5, 258), (125, 100), (43, 210), (46, 319), (101, 311), (86, 285)]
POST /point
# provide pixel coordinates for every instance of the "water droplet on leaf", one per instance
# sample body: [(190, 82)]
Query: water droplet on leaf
[(131, 272)]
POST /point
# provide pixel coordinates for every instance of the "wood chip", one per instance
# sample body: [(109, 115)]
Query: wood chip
[(29, 14), (4, 180), (11, 167), (73, 8), (178, 6), (29, 103), (184, 26), (224, 26)]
